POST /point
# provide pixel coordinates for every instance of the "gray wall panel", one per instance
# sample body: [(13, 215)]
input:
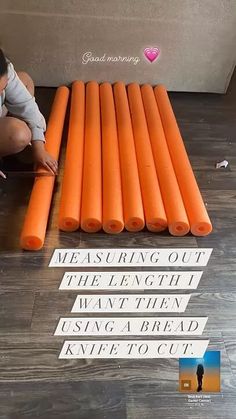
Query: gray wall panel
[(197, 40)]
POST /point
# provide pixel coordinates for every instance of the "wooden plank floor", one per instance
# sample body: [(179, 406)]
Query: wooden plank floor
[(33, 382)]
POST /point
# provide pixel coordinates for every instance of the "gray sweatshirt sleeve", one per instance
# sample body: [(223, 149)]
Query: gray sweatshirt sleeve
[(21, 103)]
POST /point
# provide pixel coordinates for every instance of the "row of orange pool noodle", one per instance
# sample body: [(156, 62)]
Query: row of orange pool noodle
[(126, 166)]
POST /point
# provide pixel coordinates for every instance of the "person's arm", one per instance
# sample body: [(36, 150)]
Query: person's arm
[(42, 157), (22, 104)]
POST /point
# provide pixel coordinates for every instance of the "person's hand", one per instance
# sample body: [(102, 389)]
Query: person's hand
[(43, 158), (2, 175)]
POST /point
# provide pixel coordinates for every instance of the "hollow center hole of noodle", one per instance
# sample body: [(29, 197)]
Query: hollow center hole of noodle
[(91, 225), (68, 223), (31, 243), (201, 228)]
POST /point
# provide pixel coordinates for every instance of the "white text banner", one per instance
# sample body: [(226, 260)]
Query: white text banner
[(130, 257), (133, 349)]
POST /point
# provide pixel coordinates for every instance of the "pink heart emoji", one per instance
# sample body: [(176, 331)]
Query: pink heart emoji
[(151, 53)]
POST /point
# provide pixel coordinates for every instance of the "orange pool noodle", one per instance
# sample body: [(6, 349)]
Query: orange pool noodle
[(176, 215), (132, 198), (70, 202), (152, 201), (112, 193), (91, 210), (35, 224), (200, 223)]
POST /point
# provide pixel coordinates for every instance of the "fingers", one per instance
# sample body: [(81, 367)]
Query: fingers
[(51, 165), (48, 162), (48, 167), (2, 175), (54, 165)]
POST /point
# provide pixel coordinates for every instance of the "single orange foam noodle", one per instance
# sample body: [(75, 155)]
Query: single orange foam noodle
[(178, 224), (35, 223), (112, 194), (70, 201), (200, 223), (91, 206)]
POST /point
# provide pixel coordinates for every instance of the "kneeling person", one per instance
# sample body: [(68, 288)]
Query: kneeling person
[(26, 125)]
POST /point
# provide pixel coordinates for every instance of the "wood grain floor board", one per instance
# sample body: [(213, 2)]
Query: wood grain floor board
[(78, 399)]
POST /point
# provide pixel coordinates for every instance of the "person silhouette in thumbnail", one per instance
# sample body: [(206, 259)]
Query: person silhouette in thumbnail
[(200, 373)]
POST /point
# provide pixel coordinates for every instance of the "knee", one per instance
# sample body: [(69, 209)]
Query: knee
[(25, 77), (20, 136), (27, 81)]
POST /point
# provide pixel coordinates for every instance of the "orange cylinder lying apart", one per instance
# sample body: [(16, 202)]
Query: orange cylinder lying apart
[(132, 198), (200, 223), (176, 215), (91, 210), (111, 194), (70, 202), (152, 201), (35, 224)]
